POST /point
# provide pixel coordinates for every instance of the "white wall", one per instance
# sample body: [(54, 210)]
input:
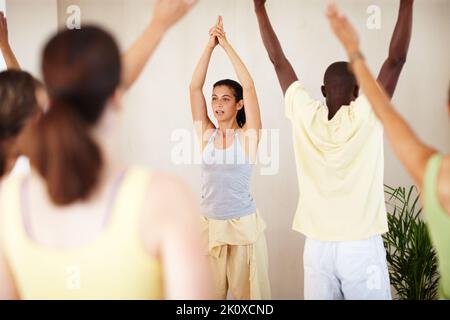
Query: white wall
[(30, 23), (159, 104)]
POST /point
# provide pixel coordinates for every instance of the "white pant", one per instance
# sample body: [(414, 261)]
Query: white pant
[(354, 270)]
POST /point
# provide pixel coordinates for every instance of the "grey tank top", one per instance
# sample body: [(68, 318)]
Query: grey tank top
[(226, 180)]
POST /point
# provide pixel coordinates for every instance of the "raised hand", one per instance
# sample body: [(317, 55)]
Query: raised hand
[(213, 41), (165, 14), (219, 33), (168, 12), (3, 31), (343, 29), (8, 54)]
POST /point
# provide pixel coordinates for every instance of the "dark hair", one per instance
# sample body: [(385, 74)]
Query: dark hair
[(81, 69), (17, 105), (238, 94), (340, 73)]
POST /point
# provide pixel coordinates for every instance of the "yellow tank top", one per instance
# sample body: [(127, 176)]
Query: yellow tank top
[(115, 266)]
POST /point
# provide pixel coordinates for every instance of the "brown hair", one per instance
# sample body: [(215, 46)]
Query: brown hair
[(82, 70), (17, 105), (238, 94)]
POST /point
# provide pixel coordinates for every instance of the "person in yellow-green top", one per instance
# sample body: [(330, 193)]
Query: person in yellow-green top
[(82, 224), (429, 168)]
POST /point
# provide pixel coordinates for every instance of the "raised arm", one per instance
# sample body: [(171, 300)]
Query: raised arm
[(398, 50), (252, 112), (166, 13), (198, 102), (411, 151), (8, 54), (285, 73)]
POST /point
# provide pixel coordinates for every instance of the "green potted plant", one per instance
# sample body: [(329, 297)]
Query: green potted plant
[(411, 258)]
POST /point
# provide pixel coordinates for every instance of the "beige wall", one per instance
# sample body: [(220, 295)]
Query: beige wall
[(30, 22), (158, 104)]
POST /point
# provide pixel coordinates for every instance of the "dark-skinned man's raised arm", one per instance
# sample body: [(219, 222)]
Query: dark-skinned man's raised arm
[(392, 67), (285, 73), (398, 50)]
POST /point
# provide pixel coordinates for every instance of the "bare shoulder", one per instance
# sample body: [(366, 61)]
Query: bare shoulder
[(169, 211), (169, 201), (444, 184), (166, 187)]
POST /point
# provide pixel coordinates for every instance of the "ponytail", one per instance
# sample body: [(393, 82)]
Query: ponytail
[(65, 154), (82, 70), (240, 118)]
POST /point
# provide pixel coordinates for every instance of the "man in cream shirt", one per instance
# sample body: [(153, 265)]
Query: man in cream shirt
[(340, 165), (340, 168)]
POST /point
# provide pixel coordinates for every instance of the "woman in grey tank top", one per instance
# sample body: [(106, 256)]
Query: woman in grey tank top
[(233, 227)]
